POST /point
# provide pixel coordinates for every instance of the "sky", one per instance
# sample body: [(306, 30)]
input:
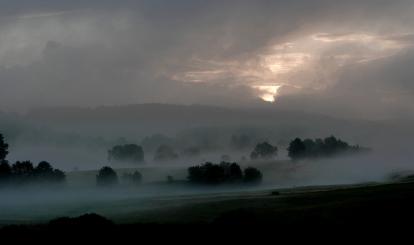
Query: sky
[(351, 59)]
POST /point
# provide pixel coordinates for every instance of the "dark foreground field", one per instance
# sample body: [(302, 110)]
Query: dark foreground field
[(368, 205)]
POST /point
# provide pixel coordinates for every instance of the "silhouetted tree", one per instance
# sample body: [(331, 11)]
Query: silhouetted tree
[(3, 149), (44, 172), (107, 177), (235, 173), (25, 172), (43, 167), (252, 175), (165, 153), (297, 149), (126, 153), (22, 172), (206, 174), (264, 151)]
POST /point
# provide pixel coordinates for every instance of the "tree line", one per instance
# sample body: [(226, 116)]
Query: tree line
[(206, 174), (298, 149), (321, 148), (25, 172)]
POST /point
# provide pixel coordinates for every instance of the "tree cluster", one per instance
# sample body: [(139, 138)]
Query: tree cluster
[(107, 177), (26, 173), (223, 173), (320, 148), (264, 151)]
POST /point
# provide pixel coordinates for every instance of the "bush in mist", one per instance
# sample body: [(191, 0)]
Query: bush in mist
[(126, 153), (107, 177), (134, 178), (252, 175), (165, 153), (222, 173), (264, 151), (320, 148)]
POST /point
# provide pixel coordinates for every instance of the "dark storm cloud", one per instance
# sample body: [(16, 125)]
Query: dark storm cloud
[(119, 52)]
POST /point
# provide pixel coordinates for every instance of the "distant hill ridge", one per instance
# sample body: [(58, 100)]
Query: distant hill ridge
[(161, 112)]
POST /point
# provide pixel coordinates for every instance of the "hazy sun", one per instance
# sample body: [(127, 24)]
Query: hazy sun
[(267, 93)]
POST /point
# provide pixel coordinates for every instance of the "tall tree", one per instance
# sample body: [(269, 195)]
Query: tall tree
[(3, 149)]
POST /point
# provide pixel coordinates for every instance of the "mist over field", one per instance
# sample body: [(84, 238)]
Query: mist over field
[(132, 107)]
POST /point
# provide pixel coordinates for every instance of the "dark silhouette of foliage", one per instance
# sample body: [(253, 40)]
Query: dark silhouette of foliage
[(232, 172), (320, 148), (165, 153), (214, 174), (107, 177), (3, 149), (264, 151), (22, 172), (297, 149), (134, 178), (25, 172), (252, 175), (126, 153), (5, 172), (44, 172)]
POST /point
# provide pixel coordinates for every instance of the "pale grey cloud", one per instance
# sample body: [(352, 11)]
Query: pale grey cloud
[(323, 56)]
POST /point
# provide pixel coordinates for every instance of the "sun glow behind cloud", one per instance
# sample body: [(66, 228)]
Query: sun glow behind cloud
[(268, 93), (308, 62)]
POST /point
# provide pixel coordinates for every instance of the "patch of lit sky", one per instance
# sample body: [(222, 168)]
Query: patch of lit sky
[(276, 66)]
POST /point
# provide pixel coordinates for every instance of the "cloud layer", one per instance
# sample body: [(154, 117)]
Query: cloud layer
[(350, 59)]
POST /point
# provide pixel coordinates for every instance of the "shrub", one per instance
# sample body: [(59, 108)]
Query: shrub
[(107, 177)]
